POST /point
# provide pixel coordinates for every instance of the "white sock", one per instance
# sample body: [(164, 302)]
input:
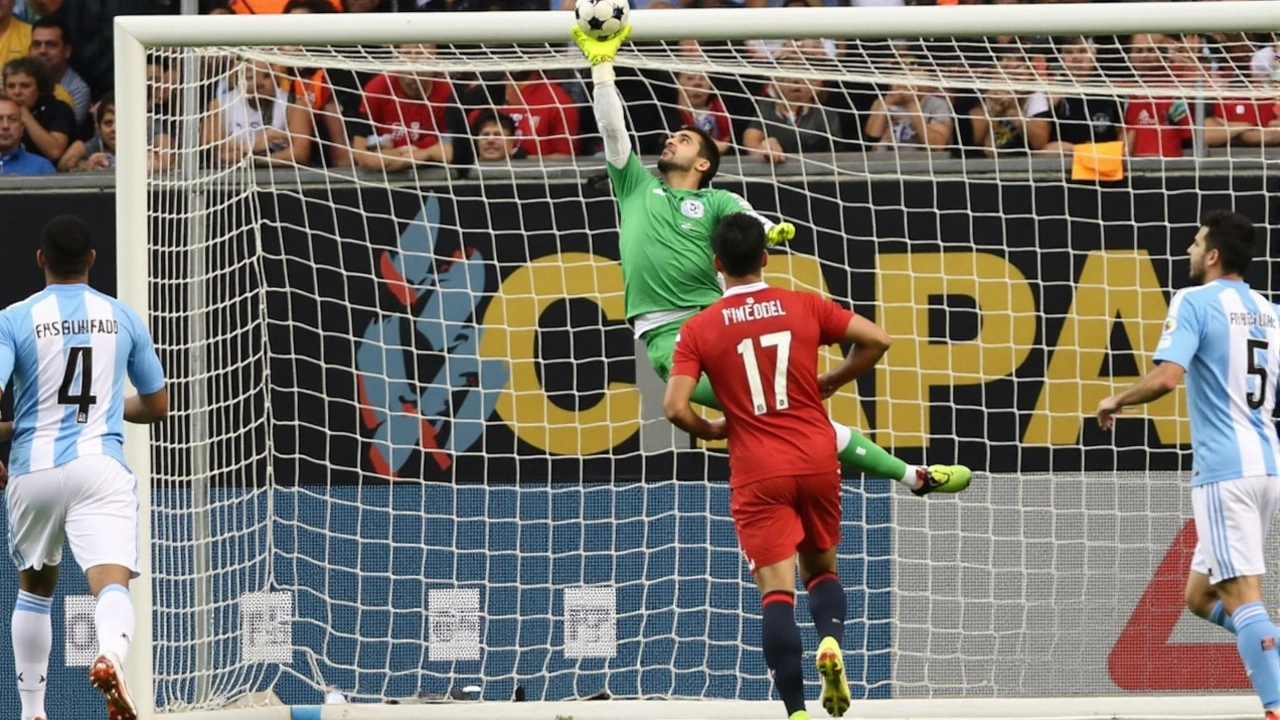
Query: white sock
[(114, 620), (843, 435), (32, 634), (912, 477)]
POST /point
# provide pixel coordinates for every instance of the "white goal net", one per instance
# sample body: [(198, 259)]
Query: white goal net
[(418, 455)]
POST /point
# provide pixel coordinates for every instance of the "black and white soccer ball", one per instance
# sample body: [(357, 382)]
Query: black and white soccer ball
[(602, 19)]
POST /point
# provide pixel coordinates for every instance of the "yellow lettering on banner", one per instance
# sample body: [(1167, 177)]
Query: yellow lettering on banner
[(1112, 284), (511, 332), (916, 363)]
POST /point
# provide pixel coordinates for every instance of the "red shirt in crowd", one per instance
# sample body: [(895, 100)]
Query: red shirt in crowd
[(405, 120), (1252, 111), (546, 118), (1153, 135)]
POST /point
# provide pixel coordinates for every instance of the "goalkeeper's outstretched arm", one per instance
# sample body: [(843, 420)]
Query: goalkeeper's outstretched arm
[(609, 116), (608, 101)]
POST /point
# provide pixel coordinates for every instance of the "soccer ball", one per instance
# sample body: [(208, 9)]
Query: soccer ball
[(601, 19)]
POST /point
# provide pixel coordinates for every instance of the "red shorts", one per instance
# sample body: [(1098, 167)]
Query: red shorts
[(779, 516)]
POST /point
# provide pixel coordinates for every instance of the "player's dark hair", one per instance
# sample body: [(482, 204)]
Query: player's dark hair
[(67, 244), (1233, 236), (709, 151), (739, 243), (106, 105), (505, 121), (50, 22)]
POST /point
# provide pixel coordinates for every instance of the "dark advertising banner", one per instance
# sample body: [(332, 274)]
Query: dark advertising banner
[(475, 332)]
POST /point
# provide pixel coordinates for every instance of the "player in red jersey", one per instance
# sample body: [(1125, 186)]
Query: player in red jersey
[(759, 347)]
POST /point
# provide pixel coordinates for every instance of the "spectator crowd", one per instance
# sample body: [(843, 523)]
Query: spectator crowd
[(989, 98)]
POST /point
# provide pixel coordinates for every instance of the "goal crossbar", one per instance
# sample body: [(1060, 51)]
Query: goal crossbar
[(709, 24)]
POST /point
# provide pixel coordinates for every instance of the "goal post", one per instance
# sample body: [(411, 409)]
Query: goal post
[(415, 460), (133, 288)]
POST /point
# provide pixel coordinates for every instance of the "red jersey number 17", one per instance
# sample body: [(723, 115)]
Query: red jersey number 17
[(747, 349)]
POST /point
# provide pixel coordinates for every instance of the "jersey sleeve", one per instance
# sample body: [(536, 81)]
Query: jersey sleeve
[(686, 360), (833, 320), (1181, 336), (144, 368), (8, 348), (630, 178)]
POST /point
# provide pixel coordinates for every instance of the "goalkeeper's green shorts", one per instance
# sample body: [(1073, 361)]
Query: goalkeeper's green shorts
[(660, 344)]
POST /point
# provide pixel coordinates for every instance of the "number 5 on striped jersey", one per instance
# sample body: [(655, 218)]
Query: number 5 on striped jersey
[(747, 349)]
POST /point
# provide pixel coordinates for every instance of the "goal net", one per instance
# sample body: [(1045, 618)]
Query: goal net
[(417, 454)]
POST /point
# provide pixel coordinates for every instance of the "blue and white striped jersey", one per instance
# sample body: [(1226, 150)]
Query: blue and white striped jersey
[(68, 348), (1227, 337)]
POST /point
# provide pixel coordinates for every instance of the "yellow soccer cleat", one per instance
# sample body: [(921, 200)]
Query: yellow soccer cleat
[(943, 479), (799, 715), (835, 688)]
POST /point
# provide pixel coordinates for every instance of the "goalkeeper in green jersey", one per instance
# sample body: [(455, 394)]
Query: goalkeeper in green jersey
[(666, 253)]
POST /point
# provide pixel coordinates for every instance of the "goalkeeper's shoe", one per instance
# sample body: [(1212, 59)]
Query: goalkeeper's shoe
[(107, 677), (942, 478), (799, 715), (835, 688)]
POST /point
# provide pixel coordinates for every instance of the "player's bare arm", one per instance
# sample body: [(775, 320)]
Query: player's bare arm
[(146, 409), (870, 342), (679, 410), (1160, 381)]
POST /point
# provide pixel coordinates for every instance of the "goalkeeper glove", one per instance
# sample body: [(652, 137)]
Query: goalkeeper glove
[(1177, 111), (780, 233), (600, 51)]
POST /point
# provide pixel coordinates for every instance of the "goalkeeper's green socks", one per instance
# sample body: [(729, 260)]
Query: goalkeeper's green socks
[(861, 454)]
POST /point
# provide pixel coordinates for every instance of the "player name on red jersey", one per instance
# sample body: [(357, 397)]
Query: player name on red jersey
[(752, 311)]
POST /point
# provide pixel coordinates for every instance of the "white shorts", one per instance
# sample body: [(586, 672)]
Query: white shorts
[(1233, 519), (92, 502)]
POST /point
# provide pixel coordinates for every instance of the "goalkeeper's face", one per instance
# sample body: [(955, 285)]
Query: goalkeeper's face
[(681, 154)]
